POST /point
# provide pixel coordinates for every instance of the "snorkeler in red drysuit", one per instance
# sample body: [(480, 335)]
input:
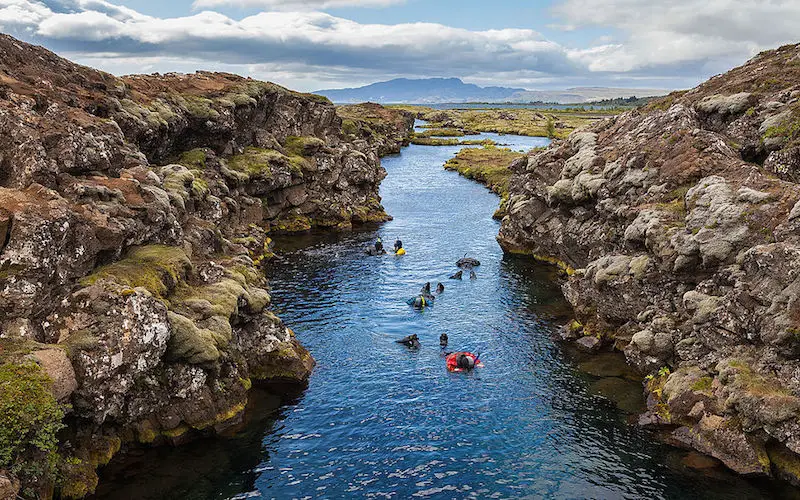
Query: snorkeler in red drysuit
[(462, 361)]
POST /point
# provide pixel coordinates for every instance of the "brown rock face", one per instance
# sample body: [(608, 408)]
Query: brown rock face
[(9, 486), (677, 224), (134, 216), (58, 367)]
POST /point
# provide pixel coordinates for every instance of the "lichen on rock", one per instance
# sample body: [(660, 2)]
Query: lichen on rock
[(680, 221), (136, 217)]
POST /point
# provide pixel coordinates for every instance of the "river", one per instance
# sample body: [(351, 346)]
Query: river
[(381, 421)]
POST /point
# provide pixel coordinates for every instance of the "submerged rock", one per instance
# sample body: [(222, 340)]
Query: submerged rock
[(625, 394)]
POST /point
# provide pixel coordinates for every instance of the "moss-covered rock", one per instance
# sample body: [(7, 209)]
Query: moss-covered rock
[(289, 363), (292, 224), (303, 146), (192, 344), (156, 268), (30, 418), (260, 163)]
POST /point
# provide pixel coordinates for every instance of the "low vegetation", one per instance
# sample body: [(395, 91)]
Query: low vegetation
[(553, 123), (489, 166), (30, 418), (438, 141)]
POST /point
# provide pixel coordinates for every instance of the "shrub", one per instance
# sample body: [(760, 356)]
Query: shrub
[(30, 417)]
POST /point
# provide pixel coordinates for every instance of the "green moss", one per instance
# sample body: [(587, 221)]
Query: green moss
[(156, 268), (703, 384), (200, 188), (177, 180), (176, 432), (560, 264), (200, 107), (103, 450), (575, 326), (318, 98), (302, 146), (789, 130), (676, 207), (30, 418), (786, 461), (292, 224), (488, 165), (192, 344), (146, 435), (224, 416), (349, 127), (194, 159), (437, 141), (246, 383), (257, 162), (78, 478), (441, 132)]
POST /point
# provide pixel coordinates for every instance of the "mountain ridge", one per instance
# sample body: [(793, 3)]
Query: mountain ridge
[(455, 90)]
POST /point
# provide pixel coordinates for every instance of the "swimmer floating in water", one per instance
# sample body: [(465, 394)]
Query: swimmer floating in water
[(419, 302), (443, 340), (411, 341), (463, 361), (376, 249)]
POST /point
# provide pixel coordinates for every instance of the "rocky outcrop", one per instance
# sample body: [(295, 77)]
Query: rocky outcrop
[(677, 227), (388, 129), (134, 215)]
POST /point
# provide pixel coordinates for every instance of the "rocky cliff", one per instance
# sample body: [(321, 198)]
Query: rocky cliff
[(134, 215), (678, 228)]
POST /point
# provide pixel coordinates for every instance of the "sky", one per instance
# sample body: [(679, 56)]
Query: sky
[(319, 44)]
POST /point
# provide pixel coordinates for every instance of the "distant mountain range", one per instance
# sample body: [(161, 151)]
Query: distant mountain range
[(453, 90)]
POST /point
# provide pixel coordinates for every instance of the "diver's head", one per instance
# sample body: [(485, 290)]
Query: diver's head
[(466, 362)]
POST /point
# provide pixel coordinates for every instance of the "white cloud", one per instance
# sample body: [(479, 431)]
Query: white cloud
[(681, 32), (673, 43), (293, 4), (310, 38)]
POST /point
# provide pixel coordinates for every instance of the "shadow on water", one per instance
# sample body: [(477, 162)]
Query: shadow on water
[(379, 420)]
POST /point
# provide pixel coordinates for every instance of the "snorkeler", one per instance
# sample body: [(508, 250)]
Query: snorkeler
[(411, 341), (463, 361)]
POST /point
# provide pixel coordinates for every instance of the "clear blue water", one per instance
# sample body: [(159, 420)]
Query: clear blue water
[(381, 421)]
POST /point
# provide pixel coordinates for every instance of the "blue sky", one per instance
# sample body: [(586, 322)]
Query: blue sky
[(313, 44)]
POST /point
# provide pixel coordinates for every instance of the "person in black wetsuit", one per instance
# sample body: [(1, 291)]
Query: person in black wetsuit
[(426, 292), (443, 340), (411, 341), (379, 246), (398, 245), (439, 289)]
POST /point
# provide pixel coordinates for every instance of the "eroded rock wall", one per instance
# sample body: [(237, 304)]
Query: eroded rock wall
[(677, 226), (134, 215)]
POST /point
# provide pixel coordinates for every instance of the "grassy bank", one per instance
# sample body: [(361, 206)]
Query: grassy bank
[(489, 166), (553, 123)]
